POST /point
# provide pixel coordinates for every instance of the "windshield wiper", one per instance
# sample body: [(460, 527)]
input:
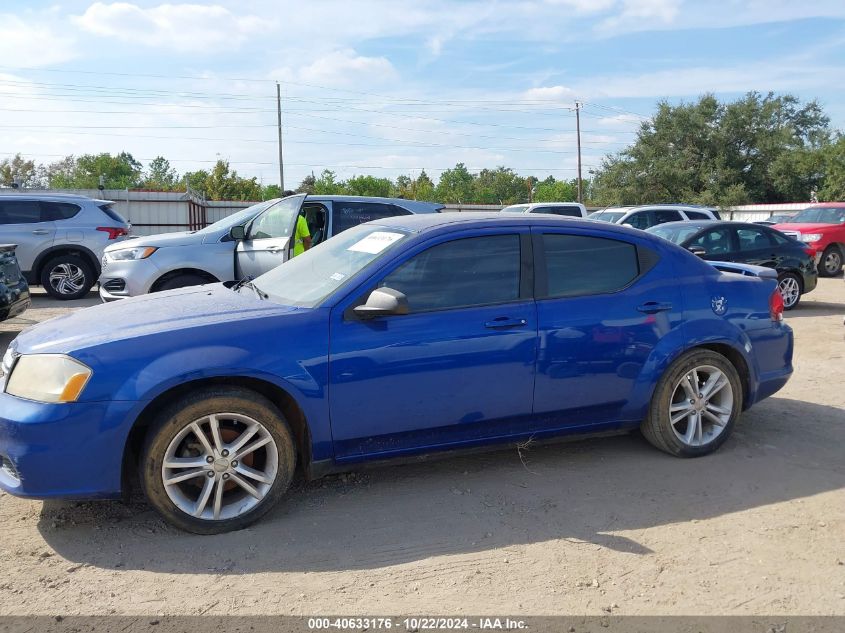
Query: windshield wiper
[(246, 282)]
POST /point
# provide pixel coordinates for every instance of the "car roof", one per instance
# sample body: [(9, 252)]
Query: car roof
[(52, 197), (417, 206), (479, 219), (700, 224)]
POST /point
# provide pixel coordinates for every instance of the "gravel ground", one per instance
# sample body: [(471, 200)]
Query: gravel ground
[(605, 525)]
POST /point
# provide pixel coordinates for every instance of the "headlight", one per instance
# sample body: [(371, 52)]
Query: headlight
[(128, 254), (48, 378), (811, 237)]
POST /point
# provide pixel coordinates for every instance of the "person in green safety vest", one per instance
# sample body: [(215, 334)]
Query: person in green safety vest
[(301, 236)]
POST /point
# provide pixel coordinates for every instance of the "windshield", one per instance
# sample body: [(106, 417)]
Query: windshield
[(821, 215), (516, 208), (241, 217), (676, 234), (311, 277), (607, 216)]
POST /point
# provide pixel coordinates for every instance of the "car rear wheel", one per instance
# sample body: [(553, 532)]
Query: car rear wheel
[(695, 405), (217, 460), (67, 277), (790, 289), (831, 262)]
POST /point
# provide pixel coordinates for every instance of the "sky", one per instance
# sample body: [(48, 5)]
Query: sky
[(390, 87)]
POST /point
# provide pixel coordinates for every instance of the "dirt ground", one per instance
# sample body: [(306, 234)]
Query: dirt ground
[(588, 527)]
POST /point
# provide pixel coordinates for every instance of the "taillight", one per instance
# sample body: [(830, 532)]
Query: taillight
[(776, 305), (113, 233)]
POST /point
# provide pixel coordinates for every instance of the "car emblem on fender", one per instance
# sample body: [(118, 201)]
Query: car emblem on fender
[(719, 305)]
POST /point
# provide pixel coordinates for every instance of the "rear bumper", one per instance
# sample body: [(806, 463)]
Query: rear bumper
[(62, 450), (14, 300)]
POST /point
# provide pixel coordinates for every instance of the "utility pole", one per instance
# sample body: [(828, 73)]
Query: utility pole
[(279, 122), (578, 132)]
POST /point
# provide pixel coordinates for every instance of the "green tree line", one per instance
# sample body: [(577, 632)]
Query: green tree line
[(759, 148)]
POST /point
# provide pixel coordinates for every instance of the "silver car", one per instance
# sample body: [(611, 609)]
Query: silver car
[(60, 238), (572, 209), (244, 245)]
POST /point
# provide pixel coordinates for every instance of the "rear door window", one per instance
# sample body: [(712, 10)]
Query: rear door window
[(572, 211), (753, 239), (697, 215), (640, 220), (59, 210), (582, 265), (346, 214), (662, 216)]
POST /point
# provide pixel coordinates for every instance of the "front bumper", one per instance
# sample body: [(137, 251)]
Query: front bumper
[(63, 450), (122, 279)]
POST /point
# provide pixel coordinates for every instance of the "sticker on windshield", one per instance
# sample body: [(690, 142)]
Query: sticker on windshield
[(337, 276), (375, 242)]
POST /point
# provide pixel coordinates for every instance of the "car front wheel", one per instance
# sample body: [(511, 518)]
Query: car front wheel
[(831, 262), (217, 460), (695, 405), (67, 277)]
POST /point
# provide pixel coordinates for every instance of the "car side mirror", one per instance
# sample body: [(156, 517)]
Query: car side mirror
[(238, 232), (383, 302), (697, 251)]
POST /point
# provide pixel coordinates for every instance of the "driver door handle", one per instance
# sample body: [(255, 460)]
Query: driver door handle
[(40, 232), (652, 307)]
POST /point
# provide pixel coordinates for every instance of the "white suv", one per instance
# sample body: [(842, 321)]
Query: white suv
[(646, 216), (60, 238), (572, 209)]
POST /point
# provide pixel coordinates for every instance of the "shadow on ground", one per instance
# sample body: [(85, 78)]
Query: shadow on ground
[(584, 491)]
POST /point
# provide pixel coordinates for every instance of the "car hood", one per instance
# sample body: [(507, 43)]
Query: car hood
[(145, 315), (809, 227), (183, 238)]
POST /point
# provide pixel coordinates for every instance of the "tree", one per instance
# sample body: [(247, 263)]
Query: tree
[(499, 186), (272, 191), (224, 183), (755, 149), (423, 188), (307, 184), (327, 184), (369, 186), (552, 190), (119, 172), (833, 161), (455, 185), (19, 170), (160, 175)]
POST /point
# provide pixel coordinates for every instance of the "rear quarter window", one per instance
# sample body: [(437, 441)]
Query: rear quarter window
[(697, 215), (113, 215)]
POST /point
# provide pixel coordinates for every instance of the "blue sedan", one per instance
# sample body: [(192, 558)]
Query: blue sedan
[(412, 335)]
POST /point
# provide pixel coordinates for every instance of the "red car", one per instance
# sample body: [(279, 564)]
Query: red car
[(822, 228)]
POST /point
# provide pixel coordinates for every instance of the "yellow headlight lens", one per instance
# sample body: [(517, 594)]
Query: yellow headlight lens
[(48, 378)]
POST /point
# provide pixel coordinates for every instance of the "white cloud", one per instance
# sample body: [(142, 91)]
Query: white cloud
[(341, 68), (549, 93), (620, 119), (181, 27), (33, 42), (641, 15)]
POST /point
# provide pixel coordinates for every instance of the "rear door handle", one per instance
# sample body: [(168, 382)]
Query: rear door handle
[(40, 232), (274, 249), (500, 323), (652, 307)]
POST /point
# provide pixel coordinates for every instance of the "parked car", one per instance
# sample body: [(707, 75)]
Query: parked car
[(14, 291), (573, 209), (822, 228), (60, 238), (244, 245), (748, 243), (401, 337), (776, 218), (643, 217)]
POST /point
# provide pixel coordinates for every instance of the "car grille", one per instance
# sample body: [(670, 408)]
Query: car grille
[(115, 285)]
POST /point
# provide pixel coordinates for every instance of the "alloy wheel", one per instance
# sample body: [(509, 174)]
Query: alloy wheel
[(67, 279), (220, 466), (701, 406), (790, 291)]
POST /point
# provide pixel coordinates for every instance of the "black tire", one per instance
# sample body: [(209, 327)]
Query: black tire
[(789, 284), (181, 281), (831, 262), (194, 407), (67, 277), (657, 427)]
